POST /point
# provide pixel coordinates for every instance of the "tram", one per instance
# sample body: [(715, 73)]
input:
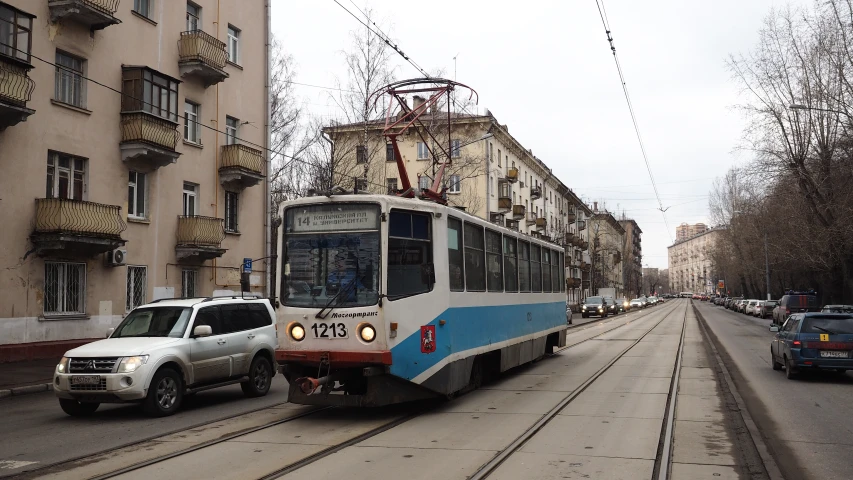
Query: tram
[(387, 299)]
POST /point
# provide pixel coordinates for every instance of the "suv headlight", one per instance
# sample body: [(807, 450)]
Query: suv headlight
[(62, 366), (130, 364)]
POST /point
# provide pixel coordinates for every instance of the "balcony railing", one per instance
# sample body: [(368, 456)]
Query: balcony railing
[(581, 224), (242, 157), (106, 7), (198, 231), (571, 217), (202, 54), (535, 192), (15, 86), (512, 174), (569, 238), (518, 211), (504, 203), (150, 129), (62, 216), (541, 222)]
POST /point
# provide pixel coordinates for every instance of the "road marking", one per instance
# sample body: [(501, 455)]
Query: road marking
[(14, 464)]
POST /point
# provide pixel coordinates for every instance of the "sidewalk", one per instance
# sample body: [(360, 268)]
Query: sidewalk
[(32, 376)]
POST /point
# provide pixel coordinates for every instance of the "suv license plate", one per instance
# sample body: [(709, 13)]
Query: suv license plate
[(833, 354), (85, 379), (329, 330)]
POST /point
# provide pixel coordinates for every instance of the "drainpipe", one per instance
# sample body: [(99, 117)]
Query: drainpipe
[(269, 248), (216, 150)]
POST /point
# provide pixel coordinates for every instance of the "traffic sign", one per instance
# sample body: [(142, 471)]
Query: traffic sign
[(247, 265)]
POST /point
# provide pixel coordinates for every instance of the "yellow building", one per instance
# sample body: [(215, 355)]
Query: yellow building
[(690, 264), (608, 240)]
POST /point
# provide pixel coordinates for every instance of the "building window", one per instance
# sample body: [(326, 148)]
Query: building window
[(455, 184), (492, 185), (64, 288), (391, 183), (455, 149), (360, 154), (389, 153), (475, 262), (454, 255), (70, 87), (66, 176), (15, 33), (136, 195), (190, 207), (149, 91), (499, 157), (490, 151), (233, 44), (232, 207), (193, 17), (494, 261), (189, 283), (231, 127), (136, 287), (423, 182), (192, 130), (143, 7), (423, 151), (361, 184)]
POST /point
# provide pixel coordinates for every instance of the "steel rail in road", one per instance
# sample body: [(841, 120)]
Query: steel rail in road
[(522, 439)]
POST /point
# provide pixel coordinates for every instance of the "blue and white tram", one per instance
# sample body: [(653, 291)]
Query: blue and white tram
[(387, 299)]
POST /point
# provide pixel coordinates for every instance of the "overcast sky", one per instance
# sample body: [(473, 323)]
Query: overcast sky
[(545, 69)]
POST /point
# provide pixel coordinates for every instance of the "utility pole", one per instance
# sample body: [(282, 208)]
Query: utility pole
[(767, 265)]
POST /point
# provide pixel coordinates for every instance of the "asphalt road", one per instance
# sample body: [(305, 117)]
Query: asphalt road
[(807, 423), (35, 432)]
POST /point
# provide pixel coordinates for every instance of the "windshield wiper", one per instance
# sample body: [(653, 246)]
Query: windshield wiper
[(349, 287), (831, 332)]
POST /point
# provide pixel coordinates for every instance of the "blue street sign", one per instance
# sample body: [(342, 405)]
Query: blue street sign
[(247, 265)]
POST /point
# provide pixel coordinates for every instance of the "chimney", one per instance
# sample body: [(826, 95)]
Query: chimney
[(595, 207), (417, 101)]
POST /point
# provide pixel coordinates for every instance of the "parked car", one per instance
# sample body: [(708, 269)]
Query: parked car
[(638, 302), (837, 309), (593, 306), (766, 308), (623, 304), (167, 349), (749, 308), (795, 302), (813, 341), (731, 303)]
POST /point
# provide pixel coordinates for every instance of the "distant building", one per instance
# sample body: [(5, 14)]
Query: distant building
[(690, 265), (608, 240), (685, 231), (632, 265)]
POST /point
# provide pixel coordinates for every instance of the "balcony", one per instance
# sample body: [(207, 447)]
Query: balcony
[(581, 225), (512, 225), (535, 193), (16, 89), (76, 228), (202, 56), (569, 238), (199, 238), (497, 218), (95, 14), (541, 223), (518, 212), (571, 217), (570, 283), (504, 203), (241, 166), (512, 175), (148, 141)]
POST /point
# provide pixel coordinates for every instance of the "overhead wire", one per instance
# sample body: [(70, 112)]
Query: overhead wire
[(606, 24)]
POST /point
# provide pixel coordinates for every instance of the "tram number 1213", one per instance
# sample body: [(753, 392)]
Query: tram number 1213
[(329, 330)]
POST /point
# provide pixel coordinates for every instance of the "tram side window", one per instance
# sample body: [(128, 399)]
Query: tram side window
[(546, 270), (523, 266), (455, 261), (494, 261), (475, 262), (535, 268), (409, 254), (510, 264), (555, 271), (562, 272)]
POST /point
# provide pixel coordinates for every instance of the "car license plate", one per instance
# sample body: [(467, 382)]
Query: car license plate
[(329, 330), (85, 379), (833, 354)]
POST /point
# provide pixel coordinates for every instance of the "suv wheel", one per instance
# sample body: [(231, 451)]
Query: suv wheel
[(165, 393), (77, 409), (260, 378)]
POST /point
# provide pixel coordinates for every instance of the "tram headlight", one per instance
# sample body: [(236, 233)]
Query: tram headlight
[(366, 332), (297, 332)]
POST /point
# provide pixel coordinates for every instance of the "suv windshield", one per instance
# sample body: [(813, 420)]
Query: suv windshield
[(331, 252), (836, 324), (594, 301), (154, 322)]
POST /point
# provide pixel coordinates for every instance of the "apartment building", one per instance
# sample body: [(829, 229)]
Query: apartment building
[(608, 240), (492, 175), (691, 268), (147, 184), (632, 252), (685, 231)]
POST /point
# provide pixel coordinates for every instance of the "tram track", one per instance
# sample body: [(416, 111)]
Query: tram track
[(309, 459), (663, 457)]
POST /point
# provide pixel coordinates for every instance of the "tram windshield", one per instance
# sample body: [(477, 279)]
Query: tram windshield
[(331, 254)]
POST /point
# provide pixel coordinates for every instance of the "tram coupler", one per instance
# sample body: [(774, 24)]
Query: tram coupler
[(309, 385)]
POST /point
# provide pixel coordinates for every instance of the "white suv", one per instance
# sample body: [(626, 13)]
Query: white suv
[(166, 349)]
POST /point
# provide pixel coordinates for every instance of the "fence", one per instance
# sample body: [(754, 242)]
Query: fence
[(59, 215)]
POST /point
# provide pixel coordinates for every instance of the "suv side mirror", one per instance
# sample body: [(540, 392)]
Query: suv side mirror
[(202, 331), (110, 332), (774, 328)]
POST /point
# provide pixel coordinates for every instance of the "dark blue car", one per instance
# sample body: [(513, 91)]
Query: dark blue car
[(812, 341)]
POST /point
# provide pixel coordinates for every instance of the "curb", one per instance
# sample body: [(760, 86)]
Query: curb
[(25, 390), (770, 464)]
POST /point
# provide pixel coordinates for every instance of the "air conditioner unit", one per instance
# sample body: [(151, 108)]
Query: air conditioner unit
[(117, 257)]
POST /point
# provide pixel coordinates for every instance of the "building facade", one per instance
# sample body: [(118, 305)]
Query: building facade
[(685, 231), (608, 242), (632, 253), (491, 175), (150, 186), (690, 264)]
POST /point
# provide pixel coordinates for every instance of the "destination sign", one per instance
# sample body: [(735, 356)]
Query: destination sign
[(329, 218)]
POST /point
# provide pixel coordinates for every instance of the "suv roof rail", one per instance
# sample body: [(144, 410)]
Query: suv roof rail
[(165, 299), (242, 297)]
